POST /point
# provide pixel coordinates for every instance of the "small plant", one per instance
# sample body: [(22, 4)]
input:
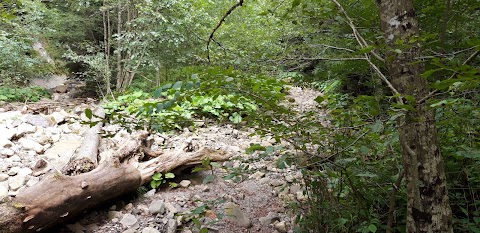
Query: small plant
[(207, 165), (159, 179), (32, 94)]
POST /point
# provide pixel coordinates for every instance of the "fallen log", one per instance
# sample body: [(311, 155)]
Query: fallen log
[(58, 198)]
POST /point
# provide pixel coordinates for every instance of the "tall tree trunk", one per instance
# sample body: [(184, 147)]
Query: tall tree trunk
[(120, 77), (428, 208)]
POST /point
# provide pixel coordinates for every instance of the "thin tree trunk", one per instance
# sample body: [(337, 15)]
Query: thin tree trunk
[(428, 208), (119, 51)]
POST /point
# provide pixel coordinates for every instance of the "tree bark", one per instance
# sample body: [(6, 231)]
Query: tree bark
[(428, 208)]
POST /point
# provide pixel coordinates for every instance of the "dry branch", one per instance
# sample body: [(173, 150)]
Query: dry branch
[(210, 38)]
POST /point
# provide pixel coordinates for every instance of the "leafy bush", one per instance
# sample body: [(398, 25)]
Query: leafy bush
[(224, 95), (33, 94)]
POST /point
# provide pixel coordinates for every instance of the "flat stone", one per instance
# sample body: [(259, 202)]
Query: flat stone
[(57, 117), (7, 152), (5, 143), (113, 214), (7, 133), (157, 207), (3, 192), (4, 177), (289, 178), (25, 128), (37, 120), (16, 182), (276, 183), (128, 220), (32, 181), (185, 183), (13, 171), (257, 175), (150, 230), (236, 215), (61, 152), (30, 144), (150, 193), (24, 171)]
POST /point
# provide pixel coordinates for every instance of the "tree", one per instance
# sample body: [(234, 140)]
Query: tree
[(428, 208)]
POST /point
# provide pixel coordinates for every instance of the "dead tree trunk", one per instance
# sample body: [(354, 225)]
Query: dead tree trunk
[(58, 197)]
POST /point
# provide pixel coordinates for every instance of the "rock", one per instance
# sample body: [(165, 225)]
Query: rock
[(37, 120), (3, 192), (7, 152), (150, 193), (157, 207), (280, 226), (276, 183), (257, 175), (57, 118), (7, 133), (236, 215), (61, 152), (289, 178), (76, 228), (16, 182), (171, 226), (113, 214), (264, 180), (295, 188), (301, 197), (61, 88), (185, 183), (32, 181), (128, 220), (24, 171), (150, 230), (25, 128), (171, 208), (91, 228), (4, 177), (5, 143), (270, 218), (29, 144), (13, 171)]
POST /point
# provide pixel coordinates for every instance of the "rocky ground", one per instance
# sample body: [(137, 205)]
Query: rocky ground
[(257, 201)]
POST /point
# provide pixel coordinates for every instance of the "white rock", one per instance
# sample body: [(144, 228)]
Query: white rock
[(32, 181), (4, 177), (257, 175), (3, 192), (24, 171), (13, 171), (7, 152), (128, 220), (5, 143), (185, 183), (281, 227), (30, 144), (15, 182), (25, 128), (150, 230), (57, 117)]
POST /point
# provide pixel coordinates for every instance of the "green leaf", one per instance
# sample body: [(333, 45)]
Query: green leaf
[(199, 210), (295, 3), (367, 174), (177, 85), (157, 176), (319, 99), (372, 228), (215, 164), (208, 179), (88, 113), (169, 175), (172, 184)]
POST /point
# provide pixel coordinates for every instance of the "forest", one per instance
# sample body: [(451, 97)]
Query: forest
[(371, 105)]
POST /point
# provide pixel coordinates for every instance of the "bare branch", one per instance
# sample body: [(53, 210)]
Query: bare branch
[(210, 38), (358, 36)]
